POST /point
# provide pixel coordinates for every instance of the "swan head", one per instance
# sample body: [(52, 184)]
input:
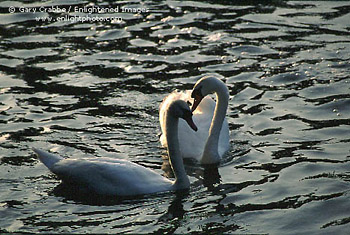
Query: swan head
[(180, 109), (204, 86)]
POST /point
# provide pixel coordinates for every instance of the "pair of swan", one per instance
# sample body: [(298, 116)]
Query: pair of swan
[(108, 176), (212, 139)]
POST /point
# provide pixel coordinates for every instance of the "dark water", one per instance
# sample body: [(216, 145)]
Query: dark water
[(94, 87)]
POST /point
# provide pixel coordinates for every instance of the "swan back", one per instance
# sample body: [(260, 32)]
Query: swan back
[(107, 176)]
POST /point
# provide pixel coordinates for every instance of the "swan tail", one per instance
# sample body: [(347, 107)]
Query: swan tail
[(48, 159)]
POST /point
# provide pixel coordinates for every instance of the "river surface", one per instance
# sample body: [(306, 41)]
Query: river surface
[(81, 84)]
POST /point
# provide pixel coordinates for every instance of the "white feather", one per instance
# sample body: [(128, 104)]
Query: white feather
[(192, 143)]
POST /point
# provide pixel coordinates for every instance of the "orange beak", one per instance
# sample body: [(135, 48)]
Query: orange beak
[(197, 100), (190, 122)]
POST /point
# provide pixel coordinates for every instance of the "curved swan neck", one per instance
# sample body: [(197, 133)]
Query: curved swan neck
[(222, 97), (176, 162), (210, 154)]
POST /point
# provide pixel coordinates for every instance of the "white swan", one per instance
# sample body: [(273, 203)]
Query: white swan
[(107, 176), (212, 140)]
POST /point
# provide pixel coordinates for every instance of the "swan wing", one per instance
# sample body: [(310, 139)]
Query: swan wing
[(106, 176), (192, 143), (111, 176)]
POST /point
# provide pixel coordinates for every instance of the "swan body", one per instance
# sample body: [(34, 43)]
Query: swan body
[(212, 140), (108, 176)]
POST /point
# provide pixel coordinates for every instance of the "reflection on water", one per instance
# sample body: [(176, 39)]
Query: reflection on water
[(93, 88)]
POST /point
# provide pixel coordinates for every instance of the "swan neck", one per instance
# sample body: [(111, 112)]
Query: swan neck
[(222, 97), (175, 159), (211, 154)]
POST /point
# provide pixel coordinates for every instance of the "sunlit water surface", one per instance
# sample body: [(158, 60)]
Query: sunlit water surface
[(94, 88)]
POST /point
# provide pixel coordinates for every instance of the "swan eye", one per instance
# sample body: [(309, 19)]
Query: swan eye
[(197, 92), (187, 113)]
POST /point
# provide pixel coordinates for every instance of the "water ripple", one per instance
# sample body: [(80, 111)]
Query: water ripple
[(93, 88)]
